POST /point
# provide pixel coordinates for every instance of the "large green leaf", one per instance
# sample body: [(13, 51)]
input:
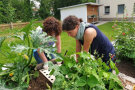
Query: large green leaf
[(52, 71), (116, 70), (19, 48), (111, 84), (115, 79), (64, 70), (27, 28), (2, 40), (19, 36), (36, 74), (81, 81), (105, 66), (112, 64), (92, 81), (106, 75), (4, 73)]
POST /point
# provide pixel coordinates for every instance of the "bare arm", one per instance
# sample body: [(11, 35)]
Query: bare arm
[(89, 35), (42, 56), (78, 47), (58, 44)]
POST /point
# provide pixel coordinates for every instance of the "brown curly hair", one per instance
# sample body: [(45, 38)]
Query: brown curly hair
[(52, 26), (70, 22)]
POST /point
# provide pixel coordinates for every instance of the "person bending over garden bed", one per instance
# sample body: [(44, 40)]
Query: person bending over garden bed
[(52, 27), (90, 37)]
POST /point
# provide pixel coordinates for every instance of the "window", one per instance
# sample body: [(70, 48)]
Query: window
[(121, 9), (107, 9), (134, 8)]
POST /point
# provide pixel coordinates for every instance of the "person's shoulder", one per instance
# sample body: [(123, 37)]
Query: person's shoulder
[(90, 32)]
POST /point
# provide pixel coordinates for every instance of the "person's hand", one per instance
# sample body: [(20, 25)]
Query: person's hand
[(45, 66), (39, 66), (53, 61)]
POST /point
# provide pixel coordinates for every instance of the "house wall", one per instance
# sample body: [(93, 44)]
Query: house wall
[(79, 11), (114, 8), (92, 10)]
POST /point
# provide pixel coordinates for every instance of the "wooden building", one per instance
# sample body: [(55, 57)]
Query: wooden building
[(87, 11)]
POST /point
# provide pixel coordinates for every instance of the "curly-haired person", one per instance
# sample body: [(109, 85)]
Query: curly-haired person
[(52, 27)]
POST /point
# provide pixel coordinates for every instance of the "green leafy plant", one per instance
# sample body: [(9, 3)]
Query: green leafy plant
[(18, 73), (124, 33), (87, 74)]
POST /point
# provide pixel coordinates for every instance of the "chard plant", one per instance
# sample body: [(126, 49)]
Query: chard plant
[(18, 73), (87, 74)]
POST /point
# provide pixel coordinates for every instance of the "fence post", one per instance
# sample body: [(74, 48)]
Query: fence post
[(11, 25)]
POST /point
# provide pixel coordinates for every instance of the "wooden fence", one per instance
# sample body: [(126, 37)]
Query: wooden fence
[(15, 25)]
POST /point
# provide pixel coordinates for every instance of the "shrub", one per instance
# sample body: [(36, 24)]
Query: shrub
[(125, 38)]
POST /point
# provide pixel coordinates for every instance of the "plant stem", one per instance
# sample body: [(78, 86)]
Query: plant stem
[(28, 44), (29, 60)]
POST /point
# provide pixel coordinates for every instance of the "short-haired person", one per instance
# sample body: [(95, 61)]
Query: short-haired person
[(90, 37), (52, 27)]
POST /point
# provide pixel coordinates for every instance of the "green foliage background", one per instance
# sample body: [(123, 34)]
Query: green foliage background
[(124, 33), (21, 10)]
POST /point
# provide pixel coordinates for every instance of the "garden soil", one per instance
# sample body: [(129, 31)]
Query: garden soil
[(126, 67), (39, 83)]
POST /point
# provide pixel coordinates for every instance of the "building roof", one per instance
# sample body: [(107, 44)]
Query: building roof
[(89, 3)]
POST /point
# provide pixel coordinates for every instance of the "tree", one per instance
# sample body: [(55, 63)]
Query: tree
[(65, 3), (6, 11), (2, 10), (23, 9), (45, 7), (27, 10), (11, 12), (52, 5), (18, 5)]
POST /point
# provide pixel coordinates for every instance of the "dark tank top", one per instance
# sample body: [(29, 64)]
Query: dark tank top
[(100, 46)]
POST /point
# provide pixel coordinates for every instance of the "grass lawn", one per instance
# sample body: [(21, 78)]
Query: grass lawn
[(107, 29), (68, 43)]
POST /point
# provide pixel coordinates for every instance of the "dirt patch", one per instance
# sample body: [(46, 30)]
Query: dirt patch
[(126, 67), (39, 83)]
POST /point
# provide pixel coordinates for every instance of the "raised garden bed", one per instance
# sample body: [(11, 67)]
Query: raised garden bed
[(126, 75)]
